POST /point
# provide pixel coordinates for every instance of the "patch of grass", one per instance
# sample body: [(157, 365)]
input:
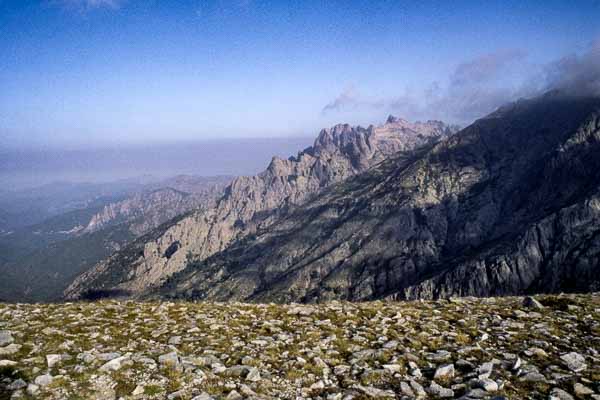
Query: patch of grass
[(152, 390)]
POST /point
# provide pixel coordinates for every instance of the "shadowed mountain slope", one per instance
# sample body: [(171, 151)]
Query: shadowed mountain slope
[(338, 153), (509, 205)]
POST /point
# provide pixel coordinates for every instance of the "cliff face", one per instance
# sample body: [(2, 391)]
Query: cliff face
[(508, 205), (338, 153)]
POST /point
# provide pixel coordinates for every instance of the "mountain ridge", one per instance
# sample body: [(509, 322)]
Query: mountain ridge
[(338, 152), (476, 213), (439, 225)]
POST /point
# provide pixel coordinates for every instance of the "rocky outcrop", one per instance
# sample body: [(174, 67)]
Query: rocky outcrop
[(508, 205), (146, 210), (338, 153)]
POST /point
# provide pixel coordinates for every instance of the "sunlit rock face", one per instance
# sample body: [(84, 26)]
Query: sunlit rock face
[(338, 153)]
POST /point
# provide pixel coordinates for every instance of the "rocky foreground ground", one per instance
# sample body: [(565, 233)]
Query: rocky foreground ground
[(497, 348)]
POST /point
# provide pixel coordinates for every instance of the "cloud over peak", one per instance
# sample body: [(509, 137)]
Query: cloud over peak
[(479, 86), (576, 74)]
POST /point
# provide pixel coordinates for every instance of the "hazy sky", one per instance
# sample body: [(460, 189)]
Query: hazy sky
[(91, 72)]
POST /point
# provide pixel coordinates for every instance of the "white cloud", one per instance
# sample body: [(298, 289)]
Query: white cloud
[(479, 86), (86, 5)]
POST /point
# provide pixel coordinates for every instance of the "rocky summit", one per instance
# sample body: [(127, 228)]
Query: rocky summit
[(467, 348)]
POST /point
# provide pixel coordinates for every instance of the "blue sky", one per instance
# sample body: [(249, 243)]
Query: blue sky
[(92, 72)]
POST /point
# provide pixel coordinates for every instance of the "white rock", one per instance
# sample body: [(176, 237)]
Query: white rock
[(444, 372), (559, 394), (487, 384), (43, 380), (204, 396), (170, 359), (574, 361), (440, 391), (53, 359), (581, 390), (139, 389), (115, 364), (10, 349), (530, 302), (32, 389), (253, 375), (317, 385), (234, 395)]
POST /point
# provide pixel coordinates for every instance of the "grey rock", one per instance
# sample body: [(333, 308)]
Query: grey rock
[(488, 385), (444, 372), (53, 359), (418, 389), (530, 302), (582, 390), (17, 384), (234, 395), (440, 356), (559, 394), (374, 392), (10, 349), (406, 389), (6, 338), (237, 371), (437, 390), (169, 359), (32, 389), (7, 363), (203, 396), (253, 375), (180, 394), (475, 394), (101, 356), (43, 380), (533, 377), (114, 364), (175, 340), (574, 361)]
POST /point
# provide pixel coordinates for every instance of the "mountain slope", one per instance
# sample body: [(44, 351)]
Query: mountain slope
[(509, 205), (338, 153), (146, 210), (38, 262)]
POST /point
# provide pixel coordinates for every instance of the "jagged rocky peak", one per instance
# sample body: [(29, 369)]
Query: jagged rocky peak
[(427, 128), (362, 147), (337, 137), (397, 130)]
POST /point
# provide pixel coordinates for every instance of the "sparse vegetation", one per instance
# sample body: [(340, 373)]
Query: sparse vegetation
[(150, 350)]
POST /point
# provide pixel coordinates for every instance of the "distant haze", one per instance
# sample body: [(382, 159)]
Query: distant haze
[(34, 167)]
